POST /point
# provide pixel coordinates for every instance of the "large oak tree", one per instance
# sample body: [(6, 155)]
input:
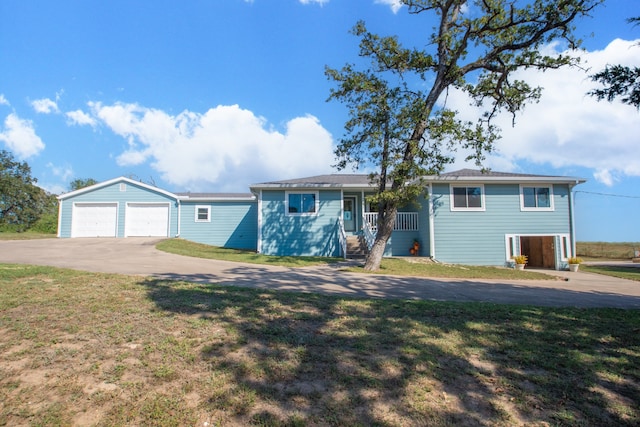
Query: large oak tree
[(398, 117)]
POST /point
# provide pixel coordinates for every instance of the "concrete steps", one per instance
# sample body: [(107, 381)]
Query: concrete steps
[(356, 248)]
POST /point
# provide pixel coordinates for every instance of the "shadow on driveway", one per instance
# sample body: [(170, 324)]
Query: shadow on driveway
[(552, 293)]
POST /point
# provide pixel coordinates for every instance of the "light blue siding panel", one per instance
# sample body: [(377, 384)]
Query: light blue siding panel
[(232, 225), (315, 235), (401, 242), (479, 237), (112, 193)]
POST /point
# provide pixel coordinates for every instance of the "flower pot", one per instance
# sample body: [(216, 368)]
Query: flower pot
[(520, 266), (574, 267)]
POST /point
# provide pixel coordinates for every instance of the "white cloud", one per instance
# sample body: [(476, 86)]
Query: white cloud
[(394, 4), (20, 136), (568, 128), (45, 106), (80, 118), (225, 148), (65, 173), (3, 100), (320, 2)]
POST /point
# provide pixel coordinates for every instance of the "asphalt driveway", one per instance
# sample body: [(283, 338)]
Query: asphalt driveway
[(138, 256)]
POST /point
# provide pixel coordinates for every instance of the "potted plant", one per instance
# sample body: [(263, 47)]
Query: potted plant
[(574, 263), (415, 249), (520, 261)]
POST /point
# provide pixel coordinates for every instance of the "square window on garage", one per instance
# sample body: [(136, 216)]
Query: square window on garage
[(203, 213)]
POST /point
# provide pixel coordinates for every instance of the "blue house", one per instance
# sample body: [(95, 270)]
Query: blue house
[(465, 217)]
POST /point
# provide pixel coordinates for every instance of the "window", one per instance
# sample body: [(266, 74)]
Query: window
[(302, 203), (203, 213), (467, 198), (536, 198)]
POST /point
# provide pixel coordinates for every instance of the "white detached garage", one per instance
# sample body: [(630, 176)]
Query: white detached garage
[(118, 208)]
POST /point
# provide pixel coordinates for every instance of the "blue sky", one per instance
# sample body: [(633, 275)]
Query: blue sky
[(216, 95)]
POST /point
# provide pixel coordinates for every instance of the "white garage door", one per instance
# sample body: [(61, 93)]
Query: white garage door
[(142, 219), (94, 220)]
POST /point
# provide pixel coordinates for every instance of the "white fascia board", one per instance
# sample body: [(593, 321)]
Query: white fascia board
[(508, 179), (217, 199), (115, 181), (311, 186)]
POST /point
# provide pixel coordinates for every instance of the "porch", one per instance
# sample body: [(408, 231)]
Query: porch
[(359, 243)]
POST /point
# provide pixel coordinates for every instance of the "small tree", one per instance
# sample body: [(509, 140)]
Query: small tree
[(21, 201), (619, 82), (398, 119)]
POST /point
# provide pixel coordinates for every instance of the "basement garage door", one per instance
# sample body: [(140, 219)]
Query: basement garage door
[(94, 220), (146, 219)]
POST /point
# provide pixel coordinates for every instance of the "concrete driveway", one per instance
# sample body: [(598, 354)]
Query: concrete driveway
[(138, 256)]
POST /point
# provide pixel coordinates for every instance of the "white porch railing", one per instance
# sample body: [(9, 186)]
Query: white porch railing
[(405, 221), (343, 238), (369, 234)]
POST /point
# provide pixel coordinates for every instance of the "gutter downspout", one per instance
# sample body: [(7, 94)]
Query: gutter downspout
[(432, 237), (572, 224)]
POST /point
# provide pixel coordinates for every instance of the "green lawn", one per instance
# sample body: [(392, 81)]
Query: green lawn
[(27, 235), (631, 273), (81, 348), (198, 250), (392, 266)]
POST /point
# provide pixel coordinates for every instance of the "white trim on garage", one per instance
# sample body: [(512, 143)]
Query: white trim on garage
[(98, 219), (147, 219)]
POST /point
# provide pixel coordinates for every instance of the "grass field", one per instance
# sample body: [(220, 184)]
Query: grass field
[(391, 266), (96, 349), (607, 250), (27, 235)]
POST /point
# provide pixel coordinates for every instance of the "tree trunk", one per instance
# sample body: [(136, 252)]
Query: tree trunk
[(386, 221)]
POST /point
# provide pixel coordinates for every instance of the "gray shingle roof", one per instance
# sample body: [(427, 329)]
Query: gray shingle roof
[(337, 180), (487, 174), (491, 176), (363, 180)]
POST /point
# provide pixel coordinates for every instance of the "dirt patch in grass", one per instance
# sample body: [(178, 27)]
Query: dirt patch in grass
[(94, 349)]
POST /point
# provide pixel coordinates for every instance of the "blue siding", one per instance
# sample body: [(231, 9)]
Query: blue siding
[(401, 242), (315, 235), (479, 237), (232, 225), (112, 194)]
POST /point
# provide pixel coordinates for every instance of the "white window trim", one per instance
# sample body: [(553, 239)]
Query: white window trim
[(286, 203), (551, 207), (208, 208), (510, 244), (482, 208)]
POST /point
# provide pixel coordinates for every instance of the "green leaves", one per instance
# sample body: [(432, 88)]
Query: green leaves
[(21, 201), (619, 82)]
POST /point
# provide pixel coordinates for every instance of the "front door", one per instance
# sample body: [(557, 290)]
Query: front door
[(540, 250), (349, 214)]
